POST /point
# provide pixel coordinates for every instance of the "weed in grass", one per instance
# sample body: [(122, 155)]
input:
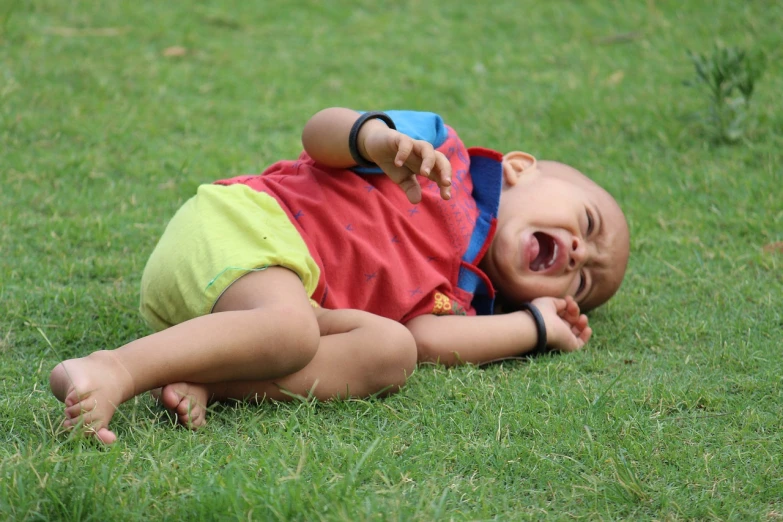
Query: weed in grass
[(728, 76), (628, 485)]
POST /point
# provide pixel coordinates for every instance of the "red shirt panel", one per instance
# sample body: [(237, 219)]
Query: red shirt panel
[(377, 251)]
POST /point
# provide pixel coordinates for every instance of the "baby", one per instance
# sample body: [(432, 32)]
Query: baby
[(386, 243)]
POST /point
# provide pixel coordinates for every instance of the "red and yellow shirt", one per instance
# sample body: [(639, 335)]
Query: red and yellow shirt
[(378, 252)]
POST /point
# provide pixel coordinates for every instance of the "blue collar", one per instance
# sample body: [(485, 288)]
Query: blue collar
[(486, 171)]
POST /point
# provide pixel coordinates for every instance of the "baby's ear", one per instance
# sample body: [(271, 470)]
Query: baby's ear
[(515, 164)]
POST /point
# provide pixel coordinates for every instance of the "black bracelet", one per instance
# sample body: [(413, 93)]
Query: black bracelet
[(364, 118), (540, 327)]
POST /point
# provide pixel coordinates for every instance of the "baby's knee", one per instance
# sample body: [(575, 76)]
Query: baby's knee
[(393, 358), (300, 336)]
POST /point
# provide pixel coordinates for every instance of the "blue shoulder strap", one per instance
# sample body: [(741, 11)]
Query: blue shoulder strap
[(487, 175)]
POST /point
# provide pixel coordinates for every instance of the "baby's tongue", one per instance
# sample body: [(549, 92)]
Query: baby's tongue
[(534, 248), (542, 254)]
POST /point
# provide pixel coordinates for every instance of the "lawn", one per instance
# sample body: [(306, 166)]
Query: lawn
[(112, 113)]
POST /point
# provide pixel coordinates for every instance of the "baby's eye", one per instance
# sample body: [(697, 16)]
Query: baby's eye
[(590, 223), (581, 286)]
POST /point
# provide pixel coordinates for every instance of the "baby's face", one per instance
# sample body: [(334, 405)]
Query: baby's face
[(558, 233)]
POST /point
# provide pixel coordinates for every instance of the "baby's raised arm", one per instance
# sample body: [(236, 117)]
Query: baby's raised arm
[(327, 135)]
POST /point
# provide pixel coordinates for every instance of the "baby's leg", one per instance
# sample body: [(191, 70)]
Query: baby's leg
[(360, 354), (276, 335)]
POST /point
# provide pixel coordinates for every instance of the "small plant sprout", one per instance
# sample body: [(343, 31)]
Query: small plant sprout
[(730, 75)]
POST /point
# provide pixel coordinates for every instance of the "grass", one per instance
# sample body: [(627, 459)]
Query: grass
[(672, 413)]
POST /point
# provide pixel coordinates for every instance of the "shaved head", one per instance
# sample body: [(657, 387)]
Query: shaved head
[(614, 239)]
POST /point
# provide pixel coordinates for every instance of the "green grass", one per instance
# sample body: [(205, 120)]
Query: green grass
[(674, 411)]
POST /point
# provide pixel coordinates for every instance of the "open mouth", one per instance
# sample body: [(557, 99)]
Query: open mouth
[(547, 252)]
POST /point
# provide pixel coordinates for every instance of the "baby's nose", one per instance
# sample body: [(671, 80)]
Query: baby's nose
[(578, 253)]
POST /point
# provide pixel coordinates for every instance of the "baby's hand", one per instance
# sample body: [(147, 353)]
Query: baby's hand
[(566, 328), (402, 158)]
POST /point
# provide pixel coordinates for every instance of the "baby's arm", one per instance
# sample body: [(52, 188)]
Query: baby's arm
[(325, 138), (453, 340)]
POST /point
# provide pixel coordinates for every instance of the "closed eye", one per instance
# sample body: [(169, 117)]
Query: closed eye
[(590, 223), (582, 284)]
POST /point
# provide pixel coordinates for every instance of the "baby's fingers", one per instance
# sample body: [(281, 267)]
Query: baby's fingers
[(441, 174), (559, 304), (425, 154), (422, 159), (579, 325), (404, 149), (585, 335), (581, 330), (412, 189), (570, 310)]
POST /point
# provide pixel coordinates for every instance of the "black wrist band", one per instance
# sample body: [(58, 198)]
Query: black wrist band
[(540, 327), (364, 118)]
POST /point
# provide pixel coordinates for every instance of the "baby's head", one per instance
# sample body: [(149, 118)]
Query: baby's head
[(558, 233)]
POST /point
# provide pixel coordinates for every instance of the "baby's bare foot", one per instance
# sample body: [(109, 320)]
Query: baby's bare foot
[(187, 401), (92, 388)]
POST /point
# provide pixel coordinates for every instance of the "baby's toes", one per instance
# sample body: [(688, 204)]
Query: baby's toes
[(73, 402), (186, 402), (80, 409), (105, 435), (191, 415), (87, 418)]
